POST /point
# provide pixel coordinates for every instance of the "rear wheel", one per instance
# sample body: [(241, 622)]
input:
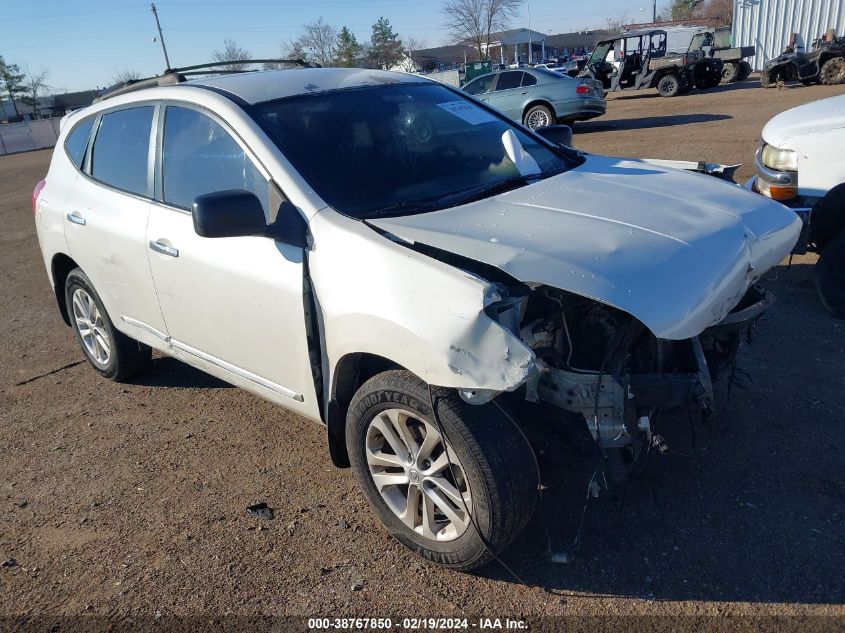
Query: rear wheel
[(744, 71), (830, 275), (111, 353), (435, 486), (669, 86), (730, 73), (833, 71), (538, 116)]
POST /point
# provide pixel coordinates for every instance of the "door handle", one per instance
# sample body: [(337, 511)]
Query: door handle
[(76, 218), (160, 247)]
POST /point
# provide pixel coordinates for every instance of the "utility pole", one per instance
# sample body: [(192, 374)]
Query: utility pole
[(653, 11), (530, 45), (161, 37)]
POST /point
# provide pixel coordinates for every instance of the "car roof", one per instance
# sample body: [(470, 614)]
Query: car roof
[(256, 87)]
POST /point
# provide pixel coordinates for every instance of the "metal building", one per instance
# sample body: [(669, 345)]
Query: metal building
[(767, 24)]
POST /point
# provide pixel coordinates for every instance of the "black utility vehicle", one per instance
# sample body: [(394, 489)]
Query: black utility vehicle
[(642, 61)]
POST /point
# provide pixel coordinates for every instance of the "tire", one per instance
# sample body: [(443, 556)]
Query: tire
[(744, 72), (730, 73), (492, 463), (830, 276), (669, 86), (538, 116), (110, 352), (833, 71), (767, 80)]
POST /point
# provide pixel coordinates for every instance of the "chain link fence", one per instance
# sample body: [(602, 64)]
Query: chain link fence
[(28, 135)]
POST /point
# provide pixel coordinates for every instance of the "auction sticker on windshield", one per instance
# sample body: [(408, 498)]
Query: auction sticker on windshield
[(467, 111)]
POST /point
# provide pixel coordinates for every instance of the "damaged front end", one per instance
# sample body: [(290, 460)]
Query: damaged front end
[(604, 365)]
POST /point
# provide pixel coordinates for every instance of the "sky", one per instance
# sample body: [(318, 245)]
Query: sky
[(83, 45)]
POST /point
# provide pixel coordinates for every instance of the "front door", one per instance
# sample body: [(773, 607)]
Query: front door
[(235, 303)]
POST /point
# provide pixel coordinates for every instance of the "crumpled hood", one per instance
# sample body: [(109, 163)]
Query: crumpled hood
[(675, 249), (818, 116)]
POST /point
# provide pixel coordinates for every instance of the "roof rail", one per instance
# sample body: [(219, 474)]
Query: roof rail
[(173, 76)]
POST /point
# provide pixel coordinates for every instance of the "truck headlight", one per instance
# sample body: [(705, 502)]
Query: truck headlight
[(781, 159)]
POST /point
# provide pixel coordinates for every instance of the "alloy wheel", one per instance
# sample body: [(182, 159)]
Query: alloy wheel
[(538, 119), (409, 463), (92, 330)]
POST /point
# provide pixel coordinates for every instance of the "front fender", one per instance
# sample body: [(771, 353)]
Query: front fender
[(378, 297)]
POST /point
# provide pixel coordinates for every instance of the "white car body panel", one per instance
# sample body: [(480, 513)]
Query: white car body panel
[(379, 297), (111, 249), (816, 132), (238, 302), (675, 249)]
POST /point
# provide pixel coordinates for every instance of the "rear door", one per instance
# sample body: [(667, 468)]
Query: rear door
[(233, 305), (106, 217), (508, 96)]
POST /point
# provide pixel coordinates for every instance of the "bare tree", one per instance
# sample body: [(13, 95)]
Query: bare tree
[(125, 76), (319, 42), (231, 52), (412, 46), (35, 84), (614, 25), (475, 20), (293, 50)]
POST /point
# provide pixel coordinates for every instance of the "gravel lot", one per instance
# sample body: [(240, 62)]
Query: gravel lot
[(129, 499)]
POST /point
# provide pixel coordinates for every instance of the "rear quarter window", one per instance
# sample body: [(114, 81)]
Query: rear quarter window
[(77, 141), (120, 157)]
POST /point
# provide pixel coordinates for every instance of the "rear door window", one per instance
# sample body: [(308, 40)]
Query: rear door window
[(120, 157), (200, 156), (528, 80), (77, 141), (509, 80)]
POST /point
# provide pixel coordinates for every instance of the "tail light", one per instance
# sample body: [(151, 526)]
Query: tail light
[(36, 192), (582, 89)]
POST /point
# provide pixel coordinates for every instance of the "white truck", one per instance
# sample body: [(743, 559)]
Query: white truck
[(801, 164)]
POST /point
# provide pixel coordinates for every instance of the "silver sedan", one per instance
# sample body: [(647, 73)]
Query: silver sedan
[(537, 97)]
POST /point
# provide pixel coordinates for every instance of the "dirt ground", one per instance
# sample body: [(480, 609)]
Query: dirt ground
[(128, 500)]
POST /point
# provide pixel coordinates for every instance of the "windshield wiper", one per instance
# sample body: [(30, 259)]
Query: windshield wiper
[(487, 190), (407, 207)]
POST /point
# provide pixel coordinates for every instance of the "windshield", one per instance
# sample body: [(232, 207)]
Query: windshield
[(402, 149)]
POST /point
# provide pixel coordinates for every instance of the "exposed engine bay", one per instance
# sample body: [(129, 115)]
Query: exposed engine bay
[(606, 366)]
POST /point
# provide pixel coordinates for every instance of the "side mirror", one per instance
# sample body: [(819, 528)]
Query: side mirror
[(557, 134), (233, 213)]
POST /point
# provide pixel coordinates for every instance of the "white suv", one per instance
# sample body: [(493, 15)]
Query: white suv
[(389, 257)]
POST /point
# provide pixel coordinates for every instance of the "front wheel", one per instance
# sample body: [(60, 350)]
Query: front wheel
[(111, 353), (538, 116), (768, 79), (457, 492), (669, 86), (830, 275)]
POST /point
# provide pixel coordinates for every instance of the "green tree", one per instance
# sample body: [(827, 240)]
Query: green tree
[(347, 48), (12, 80), (385, 48)]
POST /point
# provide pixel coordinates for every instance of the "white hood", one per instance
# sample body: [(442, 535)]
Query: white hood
[(675, 249), (818, 116)]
